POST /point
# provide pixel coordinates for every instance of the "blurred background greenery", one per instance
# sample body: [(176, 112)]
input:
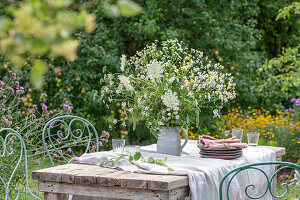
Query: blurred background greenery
[(260, 49), (257, 41)]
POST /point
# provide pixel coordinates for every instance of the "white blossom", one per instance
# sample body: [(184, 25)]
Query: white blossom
[(154, 70), (126, 82), (123, 62), (216, 113), (170, 99)]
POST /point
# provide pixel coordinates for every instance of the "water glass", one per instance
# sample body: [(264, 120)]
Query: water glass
[(237, 133), (253, 139), (118, 145), (132, 149)]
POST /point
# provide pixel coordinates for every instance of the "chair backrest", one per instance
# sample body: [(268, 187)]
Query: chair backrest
[(62, 128), (10, 138), (233, 173)]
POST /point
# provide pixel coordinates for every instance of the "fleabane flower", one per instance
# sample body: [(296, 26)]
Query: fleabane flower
[(123, 62), (170, 99), (126, 82), (155, 70)]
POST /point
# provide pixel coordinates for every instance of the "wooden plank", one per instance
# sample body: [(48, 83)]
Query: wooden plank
[(168, 182), (55, 196), (113, 192), (279, 151), (92, 174)]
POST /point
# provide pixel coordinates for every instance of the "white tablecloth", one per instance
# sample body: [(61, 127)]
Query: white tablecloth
[(204, 174)]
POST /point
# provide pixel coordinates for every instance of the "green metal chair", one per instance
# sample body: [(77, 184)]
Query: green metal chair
[(67, 128), (10, 138), (233, 173)]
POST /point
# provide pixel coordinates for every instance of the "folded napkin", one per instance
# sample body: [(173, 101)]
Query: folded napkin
[(207, 142)]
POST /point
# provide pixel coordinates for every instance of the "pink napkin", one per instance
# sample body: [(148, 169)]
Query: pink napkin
[(208, 142)]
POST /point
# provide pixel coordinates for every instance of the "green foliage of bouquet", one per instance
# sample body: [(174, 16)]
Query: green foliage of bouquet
[(167, 86)]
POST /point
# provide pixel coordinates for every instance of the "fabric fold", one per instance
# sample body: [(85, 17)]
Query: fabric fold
[(204, 174)]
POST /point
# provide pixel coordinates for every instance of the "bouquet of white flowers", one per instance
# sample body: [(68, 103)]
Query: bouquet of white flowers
[(167, 86)]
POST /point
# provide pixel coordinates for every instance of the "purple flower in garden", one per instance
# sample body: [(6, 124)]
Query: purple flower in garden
[(69, 108), (291, 125), (44, 95), (33, 115), (37, 162), (6, 122), (29, 111), (17, 128), (11, 89), (291, 109), (55, 155), (69, 150), (106, 133), (20, 91), (293, 100), (298, 127), (14, 75), (3, 109), (100, 144), (35, 107), (298, 102), (2, 83), (37, 153), (57, 140), (51, 112), (60, 151), (44, 107), (10, 140)]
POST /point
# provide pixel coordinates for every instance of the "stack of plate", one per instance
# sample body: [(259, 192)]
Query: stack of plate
[(222, 154)]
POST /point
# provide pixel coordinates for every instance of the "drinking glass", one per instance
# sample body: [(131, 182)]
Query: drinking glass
[(253, 138), (118, 145), (132, 149), (237, 133)]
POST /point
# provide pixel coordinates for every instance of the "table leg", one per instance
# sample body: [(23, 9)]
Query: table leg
[(55, 196)]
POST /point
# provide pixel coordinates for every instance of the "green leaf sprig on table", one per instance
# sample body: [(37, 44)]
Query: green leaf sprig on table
[(136, 157)]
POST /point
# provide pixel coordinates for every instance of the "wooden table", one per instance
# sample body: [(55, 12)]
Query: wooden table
[(92, 182)]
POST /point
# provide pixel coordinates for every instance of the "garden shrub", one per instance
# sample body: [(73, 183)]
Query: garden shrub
[(233, 34), (281, 129)]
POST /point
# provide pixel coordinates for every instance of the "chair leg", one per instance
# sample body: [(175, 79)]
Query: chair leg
[(55, 196)]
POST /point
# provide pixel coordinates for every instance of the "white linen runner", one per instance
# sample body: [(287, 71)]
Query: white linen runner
[(204, 174)]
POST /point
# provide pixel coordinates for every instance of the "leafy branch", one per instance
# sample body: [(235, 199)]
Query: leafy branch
[(136, 157)]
